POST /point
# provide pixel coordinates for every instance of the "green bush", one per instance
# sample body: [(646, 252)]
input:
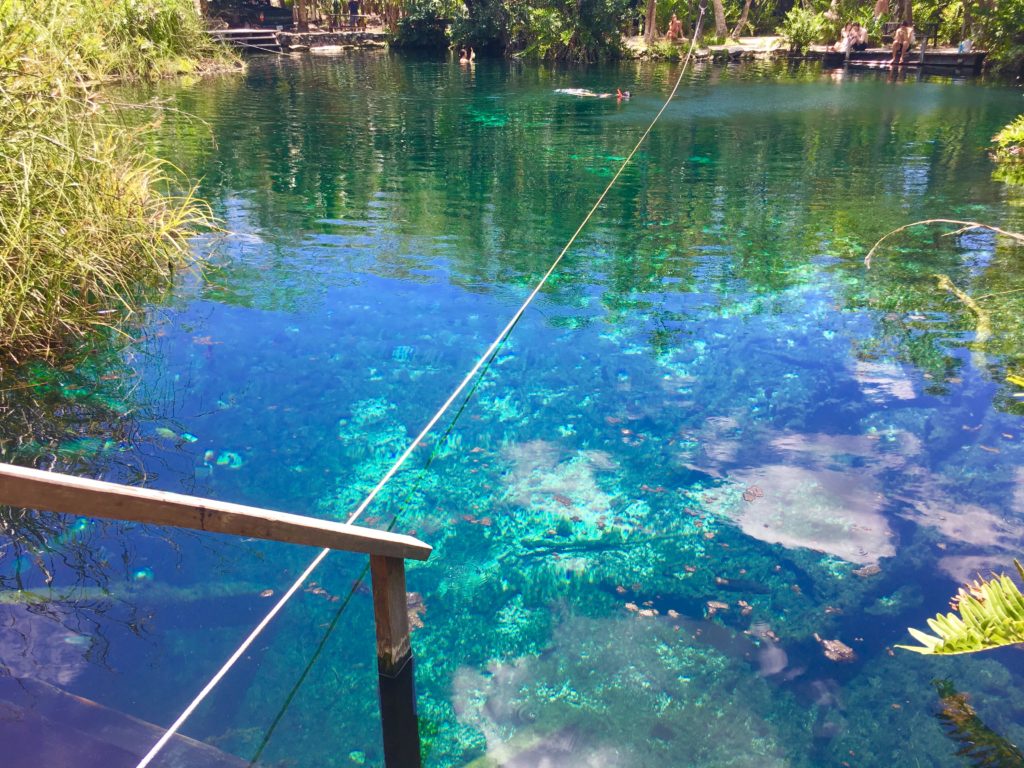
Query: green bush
[(801, 27), (424, 27), (666, 51), (1009, 152), (553, 30)]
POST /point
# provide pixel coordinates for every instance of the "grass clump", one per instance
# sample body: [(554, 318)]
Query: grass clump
[(1009, 153), (87, 218)]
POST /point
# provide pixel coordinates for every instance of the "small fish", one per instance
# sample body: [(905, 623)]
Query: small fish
[(267, 593), (565, 501)]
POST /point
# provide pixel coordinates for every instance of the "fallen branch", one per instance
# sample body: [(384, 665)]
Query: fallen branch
[(965, 226), (983, 330)]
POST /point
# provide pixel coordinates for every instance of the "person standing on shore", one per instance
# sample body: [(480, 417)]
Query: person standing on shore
[(353, 13)]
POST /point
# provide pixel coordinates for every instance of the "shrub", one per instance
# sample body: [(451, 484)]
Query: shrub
[(801, 27), (424, 27)]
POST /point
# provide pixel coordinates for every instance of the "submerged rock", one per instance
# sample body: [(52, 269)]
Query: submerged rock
[(836, 650)]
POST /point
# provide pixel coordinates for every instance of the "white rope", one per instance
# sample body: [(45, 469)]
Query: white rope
[(430, 424)]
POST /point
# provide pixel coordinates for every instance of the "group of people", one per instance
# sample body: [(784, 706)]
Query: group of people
[(853, 38)]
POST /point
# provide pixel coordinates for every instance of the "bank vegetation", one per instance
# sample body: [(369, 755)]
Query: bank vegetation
[(590, 30), (88, 219)]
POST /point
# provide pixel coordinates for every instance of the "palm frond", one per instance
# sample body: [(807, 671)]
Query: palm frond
[(991, 615)]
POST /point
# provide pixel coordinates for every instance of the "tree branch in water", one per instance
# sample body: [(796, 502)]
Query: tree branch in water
[(965, 226)]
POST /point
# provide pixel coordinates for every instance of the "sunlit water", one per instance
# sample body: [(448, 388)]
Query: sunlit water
[(685, 463)]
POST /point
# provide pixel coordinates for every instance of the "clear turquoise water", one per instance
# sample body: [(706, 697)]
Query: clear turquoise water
[(713, 331)]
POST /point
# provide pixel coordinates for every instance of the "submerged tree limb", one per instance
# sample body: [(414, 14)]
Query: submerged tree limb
[(965, 226), (983, 329)]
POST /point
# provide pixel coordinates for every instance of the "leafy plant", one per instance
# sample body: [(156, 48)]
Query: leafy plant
[(802, 27), (668, 51), (425, 26), (1010, 141), (991, 615)]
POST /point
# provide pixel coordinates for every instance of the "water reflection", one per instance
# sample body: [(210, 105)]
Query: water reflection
[(715, 436)]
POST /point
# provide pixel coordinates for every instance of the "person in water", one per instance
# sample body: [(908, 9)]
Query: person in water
[(466, 58), (619, 94)]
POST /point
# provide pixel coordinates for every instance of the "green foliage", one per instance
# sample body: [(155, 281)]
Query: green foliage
[(425, 26), (999, 28), (991, 615), (663, 49), (1009, 152), (802, 27), (1010, 140), (85, 216), (554, 30), (487, 24)]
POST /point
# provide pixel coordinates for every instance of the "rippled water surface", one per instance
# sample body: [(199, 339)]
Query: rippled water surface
[(714, 437)]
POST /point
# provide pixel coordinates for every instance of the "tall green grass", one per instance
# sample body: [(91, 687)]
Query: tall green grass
[(88, 220)]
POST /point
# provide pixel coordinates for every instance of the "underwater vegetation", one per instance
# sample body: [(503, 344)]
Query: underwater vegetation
[(697, 498)]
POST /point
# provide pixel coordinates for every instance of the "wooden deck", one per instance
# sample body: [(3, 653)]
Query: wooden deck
[(934, 58)]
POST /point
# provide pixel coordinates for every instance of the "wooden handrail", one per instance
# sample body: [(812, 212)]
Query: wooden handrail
[(36, 489)]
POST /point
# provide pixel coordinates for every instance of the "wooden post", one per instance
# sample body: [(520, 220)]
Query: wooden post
[(924, 44), (394, 663), (35, 489)]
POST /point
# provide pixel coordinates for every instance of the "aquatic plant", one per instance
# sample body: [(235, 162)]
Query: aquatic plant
[(87, 218), (991, 615), (979, 744)]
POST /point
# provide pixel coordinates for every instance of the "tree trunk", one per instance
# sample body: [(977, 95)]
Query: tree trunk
[(651, 22), (738, 29), (965, 28), (908, 11), (720, 29), (299, 17)]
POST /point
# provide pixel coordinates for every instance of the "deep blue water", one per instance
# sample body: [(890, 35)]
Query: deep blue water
[(662, 489)]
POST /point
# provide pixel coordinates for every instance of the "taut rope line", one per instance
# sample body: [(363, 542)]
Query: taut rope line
[(484, 358)]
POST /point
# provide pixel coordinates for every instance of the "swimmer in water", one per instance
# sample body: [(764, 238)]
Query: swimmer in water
[(619, 94), (466, 58)]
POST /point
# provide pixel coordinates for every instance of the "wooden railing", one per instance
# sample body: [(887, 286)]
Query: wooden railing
[(35, 489)]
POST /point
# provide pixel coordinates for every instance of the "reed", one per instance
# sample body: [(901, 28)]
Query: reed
[(88, 219)]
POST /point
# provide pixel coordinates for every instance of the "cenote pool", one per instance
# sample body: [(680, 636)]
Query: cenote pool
[(714, 435)]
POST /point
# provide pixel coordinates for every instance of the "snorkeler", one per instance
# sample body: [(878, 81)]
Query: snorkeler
[(621, 95)]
